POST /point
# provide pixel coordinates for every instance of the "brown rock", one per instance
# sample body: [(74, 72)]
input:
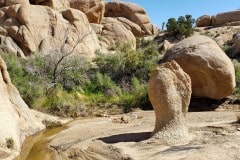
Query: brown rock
[(211, 71), (114, 31), (132, 12), (41, 29), (94, 9), (169, 90), (226, 17), (16, 119), (204, 21)]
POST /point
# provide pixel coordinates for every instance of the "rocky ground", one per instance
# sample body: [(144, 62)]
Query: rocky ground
[(214, 135)]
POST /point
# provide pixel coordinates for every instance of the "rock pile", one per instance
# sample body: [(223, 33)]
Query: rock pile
[(56, 26)]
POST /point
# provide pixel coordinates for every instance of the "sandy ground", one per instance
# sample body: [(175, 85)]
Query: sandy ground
[(213, 136)]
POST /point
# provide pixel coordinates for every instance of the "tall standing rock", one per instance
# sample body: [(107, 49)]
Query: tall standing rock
[(16, 119), (211, 71), (169, 90)]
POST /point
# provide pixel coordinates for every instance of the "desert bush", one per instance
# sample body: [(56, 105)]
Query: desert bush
[(118, 79), (183, 26), (27, 84)]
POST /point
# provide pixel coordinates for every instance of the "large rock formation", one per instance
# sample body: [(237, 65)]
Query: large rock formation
[(94, 9), (134, 13), (211, 71), (231, 18), (16, 119), (26, 29), (169, 90)]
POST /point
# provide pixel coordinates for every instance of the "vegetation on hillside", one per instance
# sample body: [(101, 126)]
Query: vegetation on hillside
[(181, 27), (118, 79)]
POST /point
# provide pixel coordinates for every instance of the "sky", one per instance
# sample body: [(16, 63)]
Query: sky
[(160, 11)]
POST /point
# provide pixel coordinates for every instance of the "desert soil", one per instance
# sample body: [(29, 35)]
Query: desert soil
[(214, 135)]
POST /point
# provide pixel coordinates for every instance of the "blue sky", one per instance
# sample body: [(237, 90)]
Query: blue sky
[(160, 10)]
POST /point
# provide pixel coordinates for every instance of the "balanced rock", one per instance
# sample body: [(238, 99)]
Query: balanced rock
[(211, 71), (94, 9), (35, 28), (169, 90), (132, 12), (16, 119)]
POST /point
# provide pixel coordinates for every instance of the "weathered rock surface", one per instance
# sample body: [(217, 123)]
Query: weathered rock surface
[(211, 71), (94, 9), (132, 12), (169, 90), (16, 119), (114, 31), (203, 21), (27, 29)]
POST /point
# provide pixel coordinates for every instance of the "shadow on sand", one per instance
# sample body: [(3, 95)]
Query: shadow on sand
[(126, 137)]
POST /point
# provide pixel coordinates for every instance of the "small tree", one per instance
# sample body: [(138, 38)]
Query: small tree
[(59, 68), (183, 26)]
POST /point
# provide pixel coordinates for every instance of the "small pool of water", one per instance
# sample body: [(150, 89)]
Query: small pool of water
[(36, 147)]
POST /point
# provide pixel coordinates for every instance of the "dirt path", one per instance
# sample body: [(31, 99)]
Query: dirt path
[(214, 135)]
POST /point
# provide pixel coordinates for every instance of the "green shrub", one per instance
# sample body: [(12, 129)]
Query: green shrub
[(237, 76), (118, 79), (183, 26), (28, 84)]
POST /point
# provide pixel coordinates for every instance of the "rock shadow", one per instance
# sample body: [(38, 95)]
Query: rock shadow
[(174, 149), (127, 137)]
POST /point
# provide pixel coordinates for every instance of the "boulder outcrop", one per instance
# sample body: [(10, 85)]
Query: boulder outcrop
[(134, 13), (169, 90), (26, 29), (226, 17), (16, 119), (231, 18), (94, 9), (211, 71)]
